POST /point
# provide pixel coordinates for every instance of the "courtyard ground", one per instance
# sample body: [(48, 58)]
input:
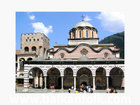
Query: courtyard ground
[(33, 90)]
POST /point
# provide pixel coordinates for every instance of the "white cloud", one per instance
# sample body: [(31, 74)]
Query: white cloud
[(87, 18), (40, 27), (112, 21), (31, 17)]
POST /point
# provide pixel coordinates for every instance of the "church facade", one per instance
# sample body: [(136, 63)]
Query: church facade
[(82, 61)]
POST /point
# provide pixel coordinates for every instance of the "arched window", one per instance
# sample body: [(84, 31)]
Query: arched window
[(62, 55), (92, 34), (105, 55), (73, 34), (29, 59), (86, 33), (33, 48), (21, 62), (80, 34), (26, 49)]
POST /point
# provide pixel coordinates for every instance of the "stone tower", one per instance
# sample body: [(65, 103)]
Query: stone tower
[(37, 43)]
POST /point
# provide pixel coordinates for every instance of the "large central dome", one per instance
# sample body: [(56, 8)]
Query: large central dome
[(83, 24)]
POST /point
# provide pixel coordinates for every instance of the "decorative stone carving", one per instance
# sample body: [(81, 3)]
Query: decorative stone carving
[(84, 51)]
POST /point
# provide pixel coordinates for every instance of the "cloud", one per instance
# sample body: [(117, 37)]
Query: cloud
[(112, 21), (87, 18), (31, 17), (40, 27)]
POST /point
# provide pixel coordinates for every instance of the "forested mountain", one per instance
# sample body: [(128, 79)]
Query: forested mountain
[(117, 39)]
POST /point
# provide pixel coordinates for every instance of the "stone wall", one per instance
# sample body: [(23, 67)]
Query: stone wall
[(90, 54), (38, 40)]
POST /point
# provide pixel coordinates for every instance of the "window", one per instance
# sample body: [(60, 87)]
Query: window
[(21, 61), (86, 33), (40, 47), (30, 39), (33, 48), (26, 49), (62, 55), (92, 34), (29, 59), (105, 55), (73, 34), (80, 34), (37, 39), (26, 40), (34, 39), (21, 74), (84, 51)]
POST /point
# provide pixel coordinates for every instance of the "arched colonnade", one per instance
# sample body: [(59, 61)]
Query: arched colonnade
[(58, 78)]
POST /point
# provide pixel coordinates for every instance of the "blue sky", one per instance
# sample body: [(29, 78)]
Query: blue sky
[(56, 25)]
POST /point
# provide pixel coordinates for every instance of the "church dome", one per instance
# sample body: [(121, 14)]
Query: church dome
[(83, 24)]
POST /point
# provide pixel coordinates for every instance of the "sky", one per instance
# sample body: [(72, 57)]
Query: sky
[(56, 25)]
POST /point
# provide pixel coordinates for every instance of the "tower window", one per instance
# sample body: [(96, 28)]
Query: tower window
[(33, 48), (86, 33), (26, 49), (37, 39), (80, 34)]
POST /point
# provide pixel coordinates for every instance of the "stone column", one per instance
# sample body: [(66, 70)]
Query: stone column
[(107, 81), (74, 82), (94, 88), (45, 82), (107, 78), (94, 76), (62, 82)]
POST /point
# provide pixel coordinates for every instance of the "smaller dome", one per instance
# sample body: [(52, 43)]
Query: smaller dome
[(83, 24)]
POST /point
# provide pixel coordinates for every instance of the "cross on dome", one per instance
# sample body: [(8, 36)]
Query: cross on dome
[(83, 17)]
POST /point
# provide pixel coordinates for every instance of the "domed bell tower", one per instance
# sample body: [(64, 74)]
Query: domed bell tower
[(83, 32)]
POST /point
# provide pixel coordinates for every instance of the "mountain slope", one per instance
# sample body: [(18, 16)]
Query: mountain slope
[(117, 39)]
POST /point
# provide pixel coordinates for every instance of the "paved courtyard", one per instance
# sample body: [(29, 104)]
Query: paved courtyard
[(33, 90)]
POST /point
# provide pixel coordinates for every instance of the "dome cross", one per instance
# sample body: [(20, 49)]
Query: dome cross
[(83, 17)]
